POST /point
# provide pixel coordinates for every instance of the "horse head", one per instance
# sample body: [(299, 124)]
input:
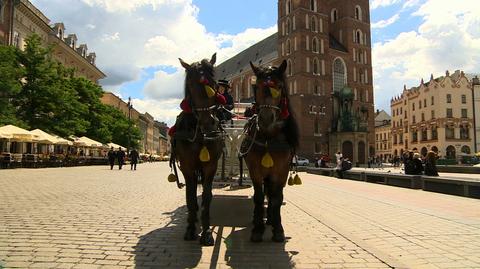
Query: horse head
[(271, 97), (200, 93)]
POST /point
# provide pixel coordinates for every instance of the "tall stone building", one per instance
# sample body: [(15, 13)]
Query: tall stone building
[(383, 135), (437, 115), (20, 19), (329, 75)]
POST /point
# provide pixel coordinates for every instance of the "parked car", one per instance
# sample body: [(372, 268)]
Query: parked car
[(301, 161)]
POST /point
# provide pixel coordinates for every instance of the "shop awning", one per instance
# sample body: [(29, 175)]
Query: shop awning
[(43, 137), (15, 133)]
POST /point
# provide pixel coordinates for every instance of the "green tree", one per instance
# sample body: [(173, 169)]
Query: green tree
[(10, 76), (47, 100)]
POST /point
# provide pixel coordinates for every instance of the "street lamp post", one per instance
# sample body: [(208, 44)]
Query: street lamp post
[(130, 106)]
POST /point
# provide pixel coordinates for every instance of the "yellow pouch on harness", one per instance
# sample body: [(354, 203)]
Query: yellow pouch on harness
[(204, 155), (297, 180), (274, 92), (172, 178), (267, 160), (210, 91)]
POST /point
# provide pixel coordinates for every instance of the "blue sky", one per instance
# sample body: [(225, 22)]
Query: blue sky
[(138, 42)]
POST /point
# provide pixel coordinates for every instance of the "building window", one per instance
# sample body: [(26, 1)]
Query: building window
[(358, 39), (339, 74), (449, 113), (464, 99), (334, 15), (288, 47), (433, 114), (464, 113), (449, 132), (313, 5), (424, 102), (394, 139), (449, 98), (420, 104), (424, 135), (289, 67), (313, 24), (400, 137), (316, 70), (16, 40), (315, 45), (434, 133), (413, 106), (433, 101), (358, 13), (423, 117), (317, 126), (288, 7), (466, 150), (289, 27), (414, 136), (464, 132), (413, 119)]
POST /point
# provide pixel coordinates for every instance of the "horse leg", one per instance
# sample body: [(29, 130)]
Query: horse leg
[(276, 198), (206, 239), (192, 205), (258, 212), (269, 206)]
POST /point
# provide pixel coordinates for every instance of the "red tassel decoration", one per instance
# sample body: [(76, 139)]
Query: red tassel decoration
[(185, 106), (221, 99), (172, 130)]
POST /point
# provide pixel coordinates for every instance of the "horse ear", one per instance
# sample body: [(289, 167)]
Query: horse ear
[(213, 59), (282, 67), (254, 68), (184, 64)]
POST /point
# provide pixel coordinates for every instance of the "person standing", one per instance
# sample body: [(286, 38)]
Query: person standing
[(111, 158), (133, 156), (431, 164), (120, 158), (224, 89)]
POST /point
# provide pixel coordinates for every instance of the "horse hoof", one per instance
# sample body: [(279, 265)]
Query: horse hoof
[(190, 235), (207, 239), (278, 237), (256, 237)]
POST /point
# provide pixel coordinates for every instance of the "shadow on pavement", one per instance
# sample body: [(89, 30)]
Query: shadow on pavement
[(231, 217), (165, 247)]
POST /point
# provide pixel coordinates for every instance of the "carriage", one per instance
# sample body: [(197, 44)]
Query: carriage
[(232, 170)]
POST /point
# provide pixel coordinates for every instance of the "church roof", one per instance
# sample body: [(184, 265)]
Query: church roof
[(262, 52)]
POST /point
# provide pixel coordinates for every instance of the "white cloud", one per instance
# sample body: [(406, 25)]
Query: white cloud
[(166, 110), (112, 37), (127, 6), (385, 23), (382, 3), (448, 39)]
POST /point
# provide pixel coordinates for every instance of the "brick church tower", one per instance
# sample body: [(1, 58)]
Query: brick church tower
[(328, 48)]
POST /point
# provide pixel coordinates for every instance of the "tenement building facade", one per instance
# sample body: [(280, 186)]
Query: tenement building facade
[(20, 19), (437, 115), (383, 136), (328, 50)]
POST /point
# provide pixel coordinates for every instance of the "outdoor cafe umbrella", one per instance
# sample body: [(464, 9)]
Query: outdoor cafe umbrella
[(43, 137), (89, 142), (18, 134), (115, 146)]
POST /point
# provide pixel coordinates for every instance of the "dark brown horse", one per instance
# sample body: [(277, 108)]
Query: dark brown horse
[(268, 148), (198, 143)]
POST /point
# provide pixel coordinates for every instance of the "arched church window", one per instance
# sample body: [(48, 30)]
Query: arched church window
[(315, 45), (289, 67), (313, 24), (313, 5), (288, 46), (316, 69), (289, 27), (334, 15), (358, 13), (358, 37), (339, 74), (288, 6)]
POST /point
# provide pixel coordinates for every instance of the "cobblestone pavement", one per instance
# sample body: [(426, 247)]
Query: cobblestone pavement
[(91, 217)]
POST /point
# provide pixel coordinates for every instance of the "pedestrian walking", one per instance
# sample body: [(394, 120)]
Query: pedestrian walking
[(111, 157), (133, 156), (120, 158)]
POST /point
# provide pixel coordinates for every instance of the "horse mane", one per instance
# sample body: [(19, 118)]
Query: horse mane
[(290, 129)]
